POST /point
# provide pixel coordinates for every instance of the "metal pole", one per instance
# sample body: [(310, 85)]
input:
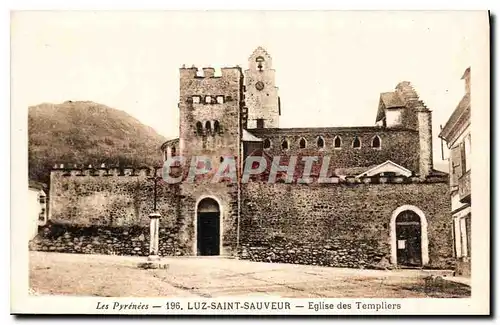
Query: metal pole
[(154, 195), (442, 149), (154, 225)]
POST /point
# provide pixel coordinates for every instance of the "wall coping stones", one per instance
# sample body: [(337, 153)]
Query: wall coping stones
[(366, 180), (107, 171)]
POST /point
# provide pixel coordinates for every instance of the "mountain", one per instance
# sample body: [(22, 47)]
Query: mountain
[(84, 133)]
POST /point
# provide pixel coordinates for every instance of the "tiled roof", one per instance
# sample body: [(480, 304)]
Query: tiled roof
[(300, 166), (391, 100), (461, 111), (323, 130)]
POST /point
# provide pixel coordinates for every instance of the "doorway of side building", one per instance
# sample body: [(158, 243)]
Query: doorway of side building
[(409, 239), (208, 227)]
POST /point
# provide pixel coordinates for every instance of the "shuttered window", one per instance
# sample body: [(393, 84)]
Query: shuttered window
[(455, 166), (467, 146)]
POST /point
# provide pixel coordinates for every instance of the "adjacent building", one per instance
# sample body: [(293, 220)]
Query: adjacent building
[(37, 207), (457, 134)]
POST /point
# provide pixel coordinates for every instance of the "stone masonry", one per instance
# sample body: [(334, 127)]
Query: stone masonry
[(344, 225), (348, 223)]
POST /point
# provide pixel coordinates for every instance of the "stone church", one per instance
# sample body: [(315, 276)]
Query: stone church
[(384, 205)]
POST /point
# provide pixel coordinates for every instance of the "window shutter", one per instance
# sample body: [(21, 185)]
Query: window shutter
[(455, 164), (462, 158)]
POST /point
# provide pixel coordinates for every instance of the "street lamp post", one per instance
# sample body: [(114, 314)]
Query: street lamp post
[(154, 225)]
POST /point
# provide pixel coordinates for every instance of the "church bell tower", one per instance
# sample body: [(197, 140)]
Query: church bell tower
[(261, 94)]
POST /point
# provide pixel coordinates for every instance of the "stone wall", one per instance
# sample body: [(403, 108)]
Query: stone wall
[(65, 238), (227, 196), (344, 225), (398, 145), (91, 199), (220, 146), (210, 142), (110, 197)]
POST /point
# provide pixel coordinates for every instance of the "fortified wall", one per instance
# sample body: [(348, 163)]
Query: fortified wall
[(105, 211), (347, 224)]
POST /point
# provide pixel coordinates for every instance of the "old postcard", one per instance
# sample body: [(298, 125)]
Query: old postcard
[(250, 162)]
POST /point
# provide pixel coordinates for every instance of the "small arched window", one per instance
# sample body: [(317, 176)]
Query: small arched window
[(267, 144), (337, 142), (376, 142), (208, 126), (199, 128), (320, 142), (216, 127), (284, 144), (196, 99), (356, 143), (208, 99), (260, 62), (302, 143)]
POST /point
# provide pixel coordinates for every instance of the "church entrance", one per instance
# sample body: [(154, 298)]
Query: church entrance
[(208, 227), (409, 239)]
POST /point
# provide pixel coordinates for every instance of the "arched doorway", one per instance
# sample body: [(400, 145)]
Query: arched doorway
[(409, 241), (208, 227)]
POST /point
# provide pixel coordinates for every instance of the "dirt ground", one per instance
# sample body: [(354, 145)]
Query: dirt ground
[(119, 276)]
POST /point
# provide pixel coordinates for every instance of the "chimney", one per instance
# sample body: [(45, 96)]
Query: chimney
[(424, 117), (208, 72)]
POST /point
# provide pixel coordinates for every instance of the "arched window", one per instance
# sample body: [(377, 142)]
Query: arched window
[(208, 126), (302, 143), (196, 99), (356, 143), (260, 62), (208, 99), (199, 128), (376, 142), (337, 142), (216, 127), (320, 142), (267, 144), (284, 144)]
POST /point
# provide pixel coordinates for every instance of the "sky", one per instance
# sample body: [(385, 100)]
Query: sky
[(330, 66)]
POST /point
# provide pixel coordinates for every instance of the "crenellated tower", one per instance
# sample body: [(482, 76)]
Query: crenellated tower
[(261, 93), (210, 113)]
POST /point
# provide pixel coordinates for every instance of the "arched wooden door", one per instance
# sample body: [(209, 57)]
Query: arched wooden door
[(409, 239), (208, 227)]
